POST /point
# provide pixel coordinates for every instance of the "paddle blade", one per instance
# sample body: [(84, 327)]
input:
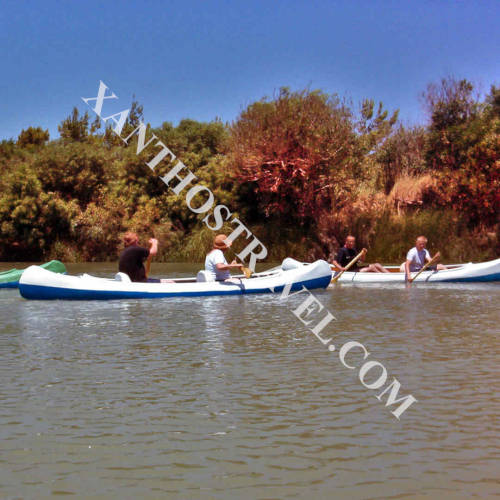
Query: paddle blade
[(247, 272)]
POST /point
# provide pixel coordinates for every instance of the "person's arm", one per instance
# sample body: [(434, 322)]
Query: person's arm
[(227, 267), (152, 251), (439, 267), (409, 260), (427, 256), (221, 264), (407, 269), (336, 264), (362, 258)]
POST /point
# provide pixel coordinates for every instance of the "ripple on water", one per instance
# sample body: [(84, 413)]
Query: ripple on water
[(232, 397)]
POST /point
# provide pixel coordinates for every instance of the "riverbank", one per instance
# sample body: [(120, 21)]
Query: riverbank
[(388, 239)]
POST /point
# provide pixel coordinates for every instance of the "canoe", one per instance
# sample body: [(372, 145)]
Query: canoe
[(39, 283), (459, 273), (10, 278)]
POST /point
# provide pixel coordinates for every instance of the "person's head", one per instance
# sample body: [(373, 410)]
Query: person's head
[(350, 241), (421, 242), (130, 239), (221, 242)]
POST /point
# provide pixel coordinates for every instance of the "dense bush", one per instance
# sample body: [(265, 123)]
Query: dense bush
[(303, 170)]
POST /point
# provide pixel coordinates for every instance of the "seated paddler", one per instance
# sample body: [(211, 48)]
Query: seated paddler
[(216, 264), (417, 258), (348, 252), (133, 256)]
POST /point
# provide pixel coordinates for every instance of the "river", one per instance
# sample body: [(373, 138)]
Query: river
[(232, 397)]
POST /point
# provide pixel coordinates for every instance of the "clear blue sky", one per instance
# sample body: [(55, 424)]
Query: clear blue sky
[(202, 59)]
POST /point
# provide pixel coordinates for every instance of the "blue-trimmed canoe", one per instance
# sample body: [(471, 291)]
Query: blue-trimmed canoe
[(456, 273), (10, 278), (38, 283)]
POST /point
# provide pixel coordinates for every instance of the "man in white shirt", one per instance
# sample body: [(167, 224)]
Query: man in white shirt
[(418, 256), (215, 262)]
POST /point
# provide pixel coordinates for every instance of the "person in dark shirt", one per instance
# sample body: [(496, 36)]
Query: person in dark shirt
[(348, 252), (133, 256)]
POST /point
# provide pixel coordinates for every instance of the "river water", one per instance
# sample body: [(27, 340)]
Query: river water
[(232, 397)]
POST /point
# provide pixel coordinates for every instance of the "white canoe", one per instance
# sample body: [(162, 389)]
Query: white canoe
[(482, 272), (38, 283)]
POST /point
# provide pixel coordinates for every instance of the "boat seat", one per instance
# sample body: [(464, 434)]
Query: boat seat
[(289, 264), (204, 276), (122, 277)]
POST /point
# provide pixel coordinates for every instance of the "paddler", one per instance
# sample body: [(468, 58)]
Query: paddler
[(418, 256), (133, 256), (215, 262), (348, 252)]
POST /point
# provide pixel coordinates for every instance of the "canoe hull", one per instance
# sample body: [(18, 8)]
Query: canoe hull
[(39, 284), (466, 273), (10, 279)]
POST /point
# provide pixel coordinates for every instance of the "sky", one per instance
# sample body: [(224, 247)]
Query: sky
[(207, 59)]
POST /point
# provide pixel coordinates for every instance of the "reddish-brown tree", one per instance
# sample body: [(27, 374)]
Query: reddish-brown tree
[(295, 151)]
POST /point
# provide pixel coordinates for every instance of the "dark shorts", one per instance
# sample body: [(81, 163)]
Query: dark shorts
[(430, 268), (153, 280)]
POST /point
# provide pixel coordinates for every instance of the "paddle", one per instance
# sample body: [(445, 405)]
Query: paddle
[(353, 261), (246, 270), (430, 263)]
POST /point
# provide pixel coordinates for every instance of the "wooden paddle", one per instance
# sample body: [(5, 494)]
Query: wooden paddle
[(430, 263), (246, 270), (353, 261)]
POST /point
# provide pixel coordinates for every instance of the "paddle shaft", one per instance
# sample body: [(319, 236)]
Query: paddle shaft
[(346, 268), (430, 263)]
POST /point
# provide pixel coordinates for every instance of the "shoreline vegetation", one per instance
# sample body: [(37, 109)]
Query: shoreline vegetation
[(302, 170)]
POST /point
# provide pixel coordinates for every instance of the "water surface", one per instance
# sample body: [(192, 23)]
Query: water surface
[(232, 397)]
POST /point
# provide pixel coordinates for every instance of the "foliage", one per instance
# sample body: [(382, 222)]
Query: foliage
[(301, 170), (402, 154), (464, 150), (74, 127), (31, 220), (446, 231), (295, 151), (73, 170), (373, 128), (450, 103), (33, 135)]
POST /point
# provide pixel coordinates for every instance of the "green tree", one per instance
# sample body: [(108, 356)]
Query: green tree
[(33, 136), (493, 102), (464, 149), (74, 127), (74, 171), (32, 220), (403, 153), (373, 127)]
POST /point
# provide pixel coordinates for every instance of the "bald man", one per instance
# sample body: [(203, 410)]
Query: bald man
[(348, 252), (418, 256)]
